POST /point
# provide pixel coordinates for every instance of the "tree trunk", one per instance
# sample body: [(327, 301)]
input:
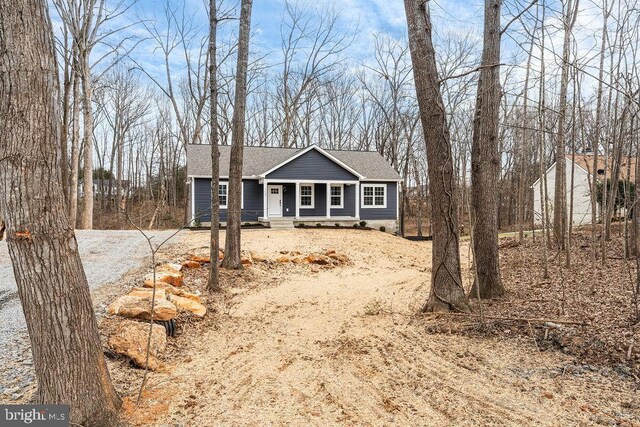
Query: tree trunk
[(75, 148), (485, 161), (560, 193), (52, 286), (214, 282), (446, 292), (232, 259), (86, 219)]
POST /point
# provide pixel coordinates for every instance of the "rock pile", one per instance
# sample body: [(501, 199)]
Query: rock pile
[(129, 328)]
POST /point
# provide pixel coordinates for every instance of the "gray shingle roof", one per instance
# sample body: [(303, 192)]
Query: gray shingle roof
[(258, 160)]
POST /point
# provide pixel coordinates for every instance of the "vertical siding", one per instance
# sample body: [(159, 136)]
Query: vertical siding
[(252, 194), (390, 212), (312, 166)]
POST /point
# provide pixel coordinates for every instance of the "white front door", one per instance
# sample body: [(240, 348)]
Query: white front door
[(274, 201)]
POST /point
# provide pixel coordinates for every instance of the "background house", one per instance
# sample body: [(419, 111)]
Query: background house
[(581, 185)]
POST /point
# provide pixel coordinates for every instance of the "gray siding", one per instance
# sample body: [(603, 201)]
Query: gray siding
[(320, 202), (289, 199), (312, 166), (253, 199), (390, 212), (349, 202)]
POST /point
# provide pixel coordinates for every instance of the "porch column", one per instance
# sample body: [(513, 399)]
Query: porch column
[(297, 199), (358, 200), (264, 200), (328, 200)]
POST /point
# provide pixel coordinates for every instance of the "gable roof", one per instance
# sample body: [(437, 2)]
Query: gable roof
[(258, 161)]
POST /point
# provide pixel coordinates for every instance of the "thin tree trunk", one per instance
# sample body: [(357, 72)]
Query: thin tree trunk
[(86, 219), (485, 161), (446, 292), (75, 148), (214, 269), (52, 286), (232, 258), (560, 193)]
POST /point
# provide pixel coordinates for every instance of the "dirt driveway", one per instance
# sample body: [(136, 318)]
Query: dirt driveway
[(342, 347)]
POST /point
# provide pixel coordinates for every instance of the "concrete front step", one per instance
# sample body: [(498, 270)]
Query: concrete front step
[(283, 224)]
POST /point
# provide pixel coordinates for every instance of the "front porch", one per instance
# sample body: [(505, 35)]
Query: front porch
[(310, 202)]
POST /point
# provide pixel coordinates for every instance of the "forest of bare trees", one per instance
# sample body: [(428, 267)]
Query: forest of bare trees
[(472, 122)]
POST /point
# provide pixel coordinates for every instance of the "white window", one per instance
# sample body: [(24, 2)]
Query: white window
[(306, 196), (374, 195), (223, 192), (337, 196)]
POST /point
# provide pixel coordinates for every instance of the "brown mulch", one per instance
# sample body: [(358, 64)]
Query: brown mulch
[(602, 298)]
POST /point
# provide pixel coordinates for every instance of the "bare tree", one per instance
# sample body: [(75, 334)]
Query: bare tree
[(447, 292), (53, 289), (485, 161), (570, 14), (232, 258), (214, 283)]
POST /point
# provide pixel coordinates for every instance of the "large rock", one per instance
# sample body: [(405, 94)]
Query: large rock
[(148, 293), (188, 304), (129, 338), (191, 264), (318, 259), (166, 275), (257, 258), (138, 307)]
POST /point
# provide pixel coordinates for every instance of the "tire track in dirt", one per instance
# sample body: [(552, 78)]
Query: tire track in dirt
[(304, 351)]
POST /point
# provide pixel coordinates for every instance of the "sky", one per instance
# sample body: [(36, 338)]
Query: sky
[(361, 18)]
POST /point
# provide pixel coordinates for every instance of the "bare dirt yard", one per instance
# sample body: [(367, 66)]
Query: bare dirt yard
[(285, 344)]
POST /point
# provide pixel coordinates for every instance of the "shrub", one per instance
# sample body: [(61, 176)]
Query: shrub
[(197, 222), (363, 224), (318, 225), (337, 225), (247, 224), (383, 228), (355, 225)]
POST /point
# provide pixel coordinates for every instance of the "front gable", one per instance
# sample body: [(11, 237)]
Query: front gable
[(312, 164)]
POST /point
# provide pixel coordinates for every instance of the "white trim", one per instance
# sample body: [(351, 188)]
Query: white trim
[(265, 209), (397, 202), (358, 200), (296, 199), (374, 206), (281, 201), (193, 200), (381, 180), (226, 177), (315, 181), (341, 205), (313, 195), (226, 183), (321, 151), (328, 202)]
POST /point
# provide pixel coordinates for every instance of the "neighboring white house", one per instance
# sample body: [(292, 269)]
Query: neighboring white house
[(581, 185)]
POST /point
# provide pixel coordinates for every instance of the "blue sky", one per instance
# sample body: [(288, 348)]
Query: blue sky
[(363, 18)]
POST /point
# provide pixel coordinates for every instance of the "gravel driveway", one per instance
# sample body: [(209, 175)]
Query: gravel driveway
[(107, 255)]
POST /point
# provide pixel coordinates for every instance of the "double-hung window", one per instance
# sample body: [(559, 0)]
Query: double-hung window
[(306, 196), (223, 193), (337, 196), (374, 195)]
